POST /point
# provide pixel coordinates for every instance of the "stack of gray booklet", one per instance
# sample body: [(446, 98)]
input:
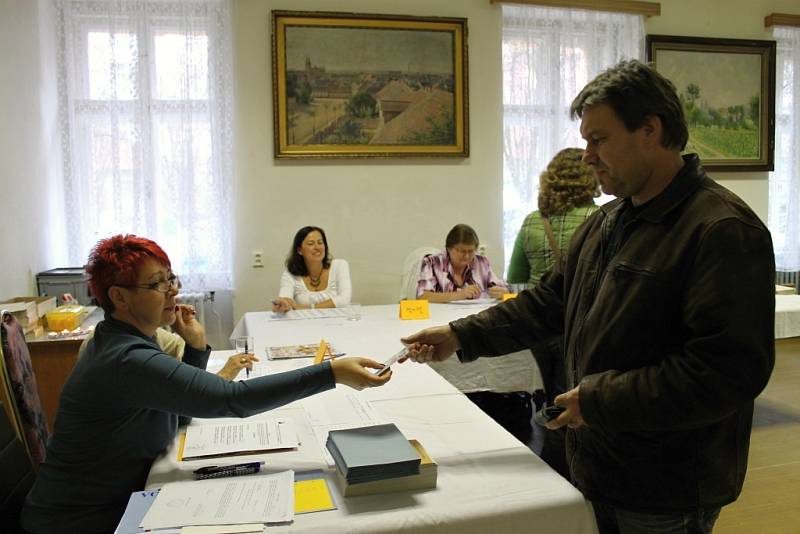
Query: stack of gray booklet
[(371, 453)]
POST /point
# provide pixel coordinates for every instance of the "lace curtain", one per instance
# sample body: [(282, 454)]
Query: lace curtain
[(784, 183), (549, 54), (146, 109)]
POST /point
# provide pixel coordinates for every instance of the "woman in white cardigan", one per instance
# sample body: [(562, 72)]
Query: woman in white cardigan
[(312, 279)]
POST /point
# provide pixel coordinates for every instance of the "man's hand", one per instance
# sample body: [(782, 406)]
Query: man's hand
[(355, 372), (188, 327), (571, 416), (432, 344)]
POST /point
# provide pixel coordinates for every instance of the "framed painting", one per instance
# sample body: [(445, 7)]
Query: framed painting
[(727, 89), (353, 86)]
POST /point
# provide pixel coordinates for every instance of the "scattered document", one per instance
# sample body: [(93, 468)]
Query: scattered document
[(337, 409), (318, 313), (308, 350), (138, 504), (224, 501), (483, 301), (240, 437)]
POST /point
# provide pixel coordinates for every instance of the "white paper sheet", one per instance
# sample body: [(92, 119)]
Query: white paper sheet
[(337, 409), (240, 436), (224, 501), (320, 313)]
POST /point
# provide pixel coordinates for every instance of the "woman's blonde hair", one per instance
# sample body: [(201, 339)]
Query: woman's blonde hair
[(566, 183)]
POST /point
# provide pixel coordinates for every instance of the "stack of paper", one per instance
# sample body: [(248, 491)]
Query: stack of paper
[(372, 453), (426, 479)]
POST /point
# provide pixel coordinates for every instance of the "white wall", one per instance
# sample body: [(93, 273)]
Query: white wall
[(29, 147), (733, 19), (375, 211)]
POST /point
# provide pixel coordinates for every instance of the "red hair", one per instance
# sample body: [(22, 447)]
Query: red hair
[(116, 261)]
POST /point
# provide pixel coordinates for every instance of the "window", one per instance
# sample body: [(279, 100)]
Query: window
[(145, 102), (549, 54), (784, 183)]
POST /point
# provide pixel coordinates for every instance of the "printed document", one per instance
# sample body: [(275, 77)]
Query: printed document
[(257, 498), (319, 313), (239, 437)]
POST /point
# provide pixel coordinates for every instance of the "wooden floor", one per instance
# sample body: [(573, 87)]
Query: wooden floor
[(770, 500)]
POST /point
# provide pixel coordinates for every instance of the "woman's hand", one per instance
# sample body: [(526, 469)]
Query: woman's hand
[(188, 327), (236, 363), (470, 292), (497, 292), (355, 372), (283, 305)]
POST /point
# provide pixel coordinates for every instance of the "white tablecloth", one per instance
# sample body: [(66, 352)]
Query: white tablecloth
[(787, 316), (378, 334), (488, 481)]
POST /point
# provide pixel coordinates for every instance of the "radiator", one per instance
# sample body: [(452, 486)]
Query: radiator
[(214, 311), (788, 279)]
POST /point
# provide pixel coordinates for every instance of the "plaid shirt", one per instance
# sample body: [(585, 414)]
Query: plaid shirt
[(436, 274)]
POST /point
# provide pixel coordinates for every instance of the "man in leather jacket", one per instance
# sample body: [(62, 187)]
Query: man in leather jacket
[(666, 303)]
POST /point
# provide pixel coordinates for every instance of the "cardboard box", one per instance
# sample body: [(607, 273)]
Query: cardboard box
[(28, 310)]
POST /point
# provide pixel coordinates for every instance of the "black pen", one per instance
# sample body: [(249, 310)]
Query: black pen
[(218, 471), (246, 351)]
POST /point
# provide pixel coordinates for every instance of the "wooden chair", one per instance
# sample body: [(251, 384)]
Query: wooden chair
[(19, 390), (16, 475)]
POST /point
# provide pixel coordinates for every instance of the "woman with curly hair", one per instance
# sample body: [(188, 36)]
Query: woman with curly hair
[(567, 191)]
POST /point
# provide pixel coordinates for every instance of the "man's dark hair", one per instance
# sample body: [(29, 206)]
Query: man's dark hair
[(636, 91)]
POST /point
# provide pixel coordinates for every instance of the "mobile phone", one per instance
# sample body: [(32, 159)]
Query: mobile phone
[(393, 359), (548, 413), (219, 471)]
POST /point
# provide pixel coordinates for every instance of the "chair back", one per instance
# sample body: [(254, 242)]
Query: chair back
[(20, 385), (16, 475), (411, 268)]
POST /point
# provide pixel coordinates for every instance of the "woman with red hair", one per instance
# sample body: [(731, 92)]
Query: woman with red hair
[(120, 405)]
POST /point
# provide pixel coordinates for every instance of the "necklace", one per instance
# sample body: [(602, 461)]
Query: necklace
[(315, 280)]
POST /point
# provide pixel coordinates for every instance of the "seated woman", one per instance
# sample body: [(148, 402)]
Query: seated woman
[(120, 405), (312, 279), (459, 272)]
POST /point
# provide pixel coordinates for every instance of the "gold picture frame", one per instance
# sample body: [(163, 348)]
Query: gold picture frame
[(727, 88), (351, 85)]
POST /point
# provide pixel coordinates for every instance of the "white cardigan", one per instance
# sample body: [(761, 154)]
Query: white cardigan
[(339, 289)]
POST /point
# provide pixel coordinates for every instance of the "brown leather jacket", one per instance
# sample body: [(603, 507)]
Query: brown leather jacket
[(670, 344)]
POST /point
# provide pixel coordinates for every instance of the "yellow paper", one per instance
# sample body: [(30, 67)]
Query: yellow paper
[(181, 444), (321, 351), (414, 309), (312, 496), (508, 296)]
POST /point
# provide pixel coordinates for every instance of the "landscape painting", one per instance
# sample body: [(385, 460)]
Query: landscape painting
[(726, 87), (348, 85)]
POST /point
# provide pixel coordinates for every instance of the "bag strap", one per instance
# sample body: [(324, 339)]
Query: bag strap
[(548, 230)]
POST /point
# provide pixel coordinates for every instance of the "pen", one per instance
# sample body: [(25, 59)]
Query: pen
[(246, 351)]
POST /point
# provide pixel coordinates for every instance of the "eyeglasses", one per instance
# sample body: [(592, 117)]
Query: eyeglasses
[(162, 286)]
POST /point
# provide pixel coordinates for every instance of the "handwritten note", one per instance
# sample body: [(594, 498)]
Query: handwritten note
[(414, 309)]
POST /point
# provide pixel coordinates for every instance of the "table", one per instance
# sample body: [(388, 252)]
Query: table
[(787, 316), (513, 372), (488, 481)]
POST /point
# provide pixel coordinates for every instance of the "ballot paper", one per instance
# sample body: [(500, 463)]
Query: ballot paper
[(319, 313), (240, 437), (257, 498)]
